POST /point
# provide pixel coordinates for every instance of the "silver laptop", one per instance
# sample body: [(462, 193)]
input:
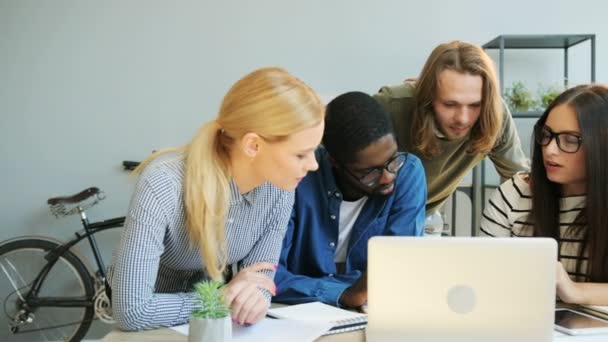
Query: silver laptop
[(461, 289)]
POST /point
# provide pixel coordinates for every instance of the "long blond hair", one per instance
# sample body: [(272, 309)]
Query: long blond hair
[(269, 102), (465, 58)]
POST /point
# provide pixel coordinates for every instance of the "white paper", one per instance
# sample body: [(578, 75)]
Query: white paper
[(599, 308), (182, 329), (280, 330), (315, 311), (558, 333), (561, 337), (274, 330)]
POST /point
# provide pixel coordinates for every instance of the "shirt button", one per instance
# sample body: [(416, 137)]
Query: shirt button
[(332, 244), (330, 275), (329, 192), (333, 217), (338, 194)]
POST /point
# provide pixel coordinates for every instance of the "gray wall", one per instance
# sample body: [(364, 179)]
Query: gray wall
[(84, 85)]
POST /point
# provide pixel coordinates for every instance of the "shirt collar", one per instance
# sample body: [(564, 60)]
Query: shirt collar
[(236, 197), (327, 175)]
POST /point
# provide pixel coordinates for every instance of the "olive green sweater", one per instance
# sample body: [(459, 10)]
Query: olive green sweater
[(445, 171)]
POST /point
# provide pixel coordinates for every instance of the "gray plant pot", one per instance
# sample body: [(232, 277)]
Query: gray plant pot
[(210, 330)]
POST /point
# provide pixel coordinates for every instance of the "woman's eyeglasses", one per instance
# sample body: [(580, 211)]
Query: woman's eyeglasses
[(567, 142), (372, 177)]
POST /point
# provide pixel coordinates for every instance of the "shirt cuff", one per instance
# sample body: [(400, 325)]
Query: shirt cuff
[(330, 292), (190, 303)]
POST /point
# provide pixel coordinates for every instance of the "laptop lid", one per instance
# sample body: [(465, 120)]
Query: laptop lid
[(461, 289)]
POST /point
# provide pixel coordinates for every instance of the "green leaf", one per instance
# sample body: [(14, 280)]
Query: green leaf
[(211, 300), (548, 94), (519, 98)]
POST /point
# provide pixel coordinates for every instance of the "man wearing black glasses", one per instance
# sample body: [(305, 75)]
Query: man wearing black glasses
[(364, 187)]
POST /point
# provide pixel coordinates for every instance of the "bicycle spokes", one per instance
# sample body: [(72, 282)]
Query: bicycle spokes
[(44, 300), (12, 279)]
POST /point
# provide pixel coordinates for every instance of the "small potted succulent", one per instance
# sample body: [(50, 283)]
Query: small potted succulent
[(519, 98), (210, 322)]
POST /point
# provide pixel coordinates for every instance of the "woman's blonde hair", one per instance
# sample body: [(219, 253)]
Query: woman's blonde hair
[(269, 102), (464, 58)]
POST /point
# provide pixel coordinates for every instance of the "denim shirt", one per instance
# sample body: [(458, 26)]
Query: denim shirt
[(307, 271)]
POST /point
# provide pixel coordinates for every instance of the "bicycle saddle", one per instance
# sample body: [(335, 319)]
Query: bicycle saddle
[(79, 197)]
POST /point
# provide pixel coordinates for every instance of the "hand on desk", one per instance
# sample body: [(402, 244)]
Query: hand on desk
[(567, 290), (243, 293), (356, 295)]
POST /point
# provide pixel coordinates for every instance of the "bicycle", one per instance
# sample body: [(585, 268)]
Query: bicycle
[(50, 289)]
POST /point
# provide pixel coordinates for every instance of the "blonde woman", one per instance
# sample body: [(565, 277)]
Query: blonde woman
[(223, 199)]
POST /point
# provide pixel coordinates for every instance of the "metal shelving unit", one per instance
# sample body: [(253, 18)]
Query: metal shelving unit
[(503, 42), (540, 41)]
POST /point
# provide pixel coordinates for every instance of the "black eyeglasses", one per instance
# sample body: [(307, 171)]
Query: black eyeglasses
[(567, 142), (373, 176)]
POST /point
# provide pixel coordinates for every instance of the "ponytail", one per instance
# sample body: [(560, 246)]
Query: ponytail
[(206, 196), (206, 193)]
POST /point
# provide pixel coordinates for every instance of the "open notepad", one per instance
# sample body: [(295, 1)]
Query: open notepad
[(343, 320), (598, 310)]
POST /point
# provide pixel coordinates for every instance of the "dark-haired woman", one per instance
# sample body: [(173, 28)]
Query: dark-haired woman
[(566, 193)]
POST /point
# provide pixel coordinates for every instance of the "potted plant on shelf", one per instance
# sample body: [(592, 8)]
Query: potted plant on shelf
[(210, 322), (519, 98), (547, 95)]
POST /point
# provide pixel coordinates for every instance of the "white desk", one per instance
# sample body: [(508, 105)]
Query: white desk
[(168, 335), (596, 338)]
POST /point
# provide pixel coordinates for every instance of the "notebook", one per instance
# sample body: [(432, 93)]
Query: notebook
[(461, 289), (343, 320), (598, 310)]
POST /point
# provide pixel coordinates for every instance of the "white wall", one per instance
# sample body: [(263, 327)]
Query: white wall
[(84, 84)]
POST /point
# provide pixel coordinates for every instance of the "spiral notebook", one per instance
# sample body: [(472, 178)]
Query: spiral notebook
[(343, 320), (597, 310)]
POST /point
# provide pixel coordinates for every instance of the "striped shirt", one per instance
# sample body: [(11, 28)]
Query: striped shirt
[(155, 265), (507, 212)]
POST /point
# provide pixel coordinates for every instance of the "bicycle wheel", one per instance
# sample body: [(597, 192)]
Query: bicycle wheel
[(20, 263)]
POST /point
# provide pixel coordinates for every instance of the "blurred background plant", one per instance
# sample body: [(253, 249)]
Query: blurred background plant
[(546, 95), (519, 98)]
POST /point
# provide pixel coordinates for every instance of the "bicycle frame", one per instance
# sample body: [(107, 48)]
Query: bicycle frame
[(89, 230)]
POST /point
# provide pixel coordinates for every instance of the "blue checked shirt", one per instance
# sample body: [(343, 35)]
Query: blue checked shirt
[(155, 265)]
